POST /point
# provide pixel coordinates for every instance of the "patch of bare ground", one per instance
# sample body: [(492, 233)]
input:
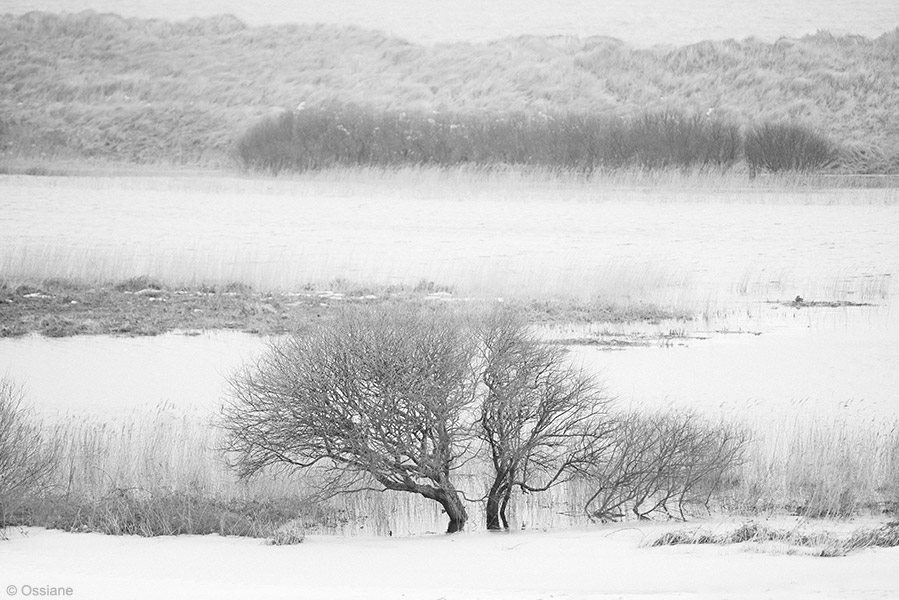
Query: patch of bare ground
[(800, 302), (619, 340), (142, 306), (570, 311)]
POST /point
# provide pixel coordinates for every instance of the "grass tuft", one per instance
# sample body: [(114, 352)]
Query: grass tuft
[(289, 534), (822, 543), (138, 284)]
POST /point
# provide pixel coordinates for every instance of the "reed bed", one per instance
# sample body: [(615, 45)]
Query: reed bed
[(161, 472), (823, 467)]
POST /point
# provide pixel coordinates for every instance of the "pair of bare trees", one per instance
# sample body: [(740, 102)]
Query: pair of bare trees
[(401, 398)]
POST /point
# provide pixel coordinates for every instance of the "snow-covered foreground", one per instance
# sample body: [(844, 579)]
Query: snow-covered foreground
[(605, 562)]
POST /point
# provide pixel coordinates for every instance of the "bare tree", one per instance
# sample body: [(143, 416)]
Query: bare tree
[(541, 419), (376, 396), (25, 461)]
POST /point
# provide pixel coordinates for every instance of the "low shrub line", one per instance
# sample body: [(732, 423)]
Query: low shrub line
[(336, 135)]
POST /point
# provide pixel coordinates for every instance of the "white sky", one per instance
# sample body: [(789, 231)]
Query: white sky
[(641, 22)]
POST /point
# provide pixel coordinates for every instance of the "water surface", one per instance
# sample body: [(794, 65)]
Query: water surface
[(833, 364), (498, 238)]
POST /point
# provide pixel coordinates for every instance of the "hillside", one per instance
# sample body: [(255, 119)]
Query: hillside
[(151, 91)]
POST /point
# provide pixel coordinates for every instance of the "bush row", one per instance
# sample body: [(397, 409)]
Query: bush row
[(350, 136)]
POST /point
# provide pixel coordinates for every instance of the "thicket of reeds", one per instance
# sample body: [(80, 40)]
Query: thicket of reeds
[(162, 473)]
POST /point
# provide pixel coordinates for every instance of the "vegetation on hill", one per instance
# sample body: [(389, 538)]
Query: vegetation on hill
[(150, 91), (347, 136)]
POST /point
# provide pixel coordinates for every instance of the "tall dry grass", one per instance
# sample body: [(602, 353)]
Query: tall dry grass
[(822, 467), (161, 472)]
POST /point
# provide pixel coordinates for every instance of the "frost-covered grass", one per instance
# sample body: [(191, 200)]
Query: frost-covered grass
[(821, 542)]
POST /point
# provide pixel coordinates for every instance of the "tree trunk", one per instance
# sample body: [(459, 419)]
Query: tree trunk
[(502, 509), (493, 523), (455, 510), (494, 498)]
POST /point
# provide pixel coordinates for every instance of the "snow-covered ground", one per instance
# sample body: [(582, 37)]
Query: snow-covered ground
[(741, 247), (603, 562)]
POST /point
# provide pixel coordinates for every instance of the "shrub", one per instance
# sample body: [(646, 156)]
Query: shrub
[(867, 159), (662, 463), (786, 147), (25, 462), (671, 139)]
